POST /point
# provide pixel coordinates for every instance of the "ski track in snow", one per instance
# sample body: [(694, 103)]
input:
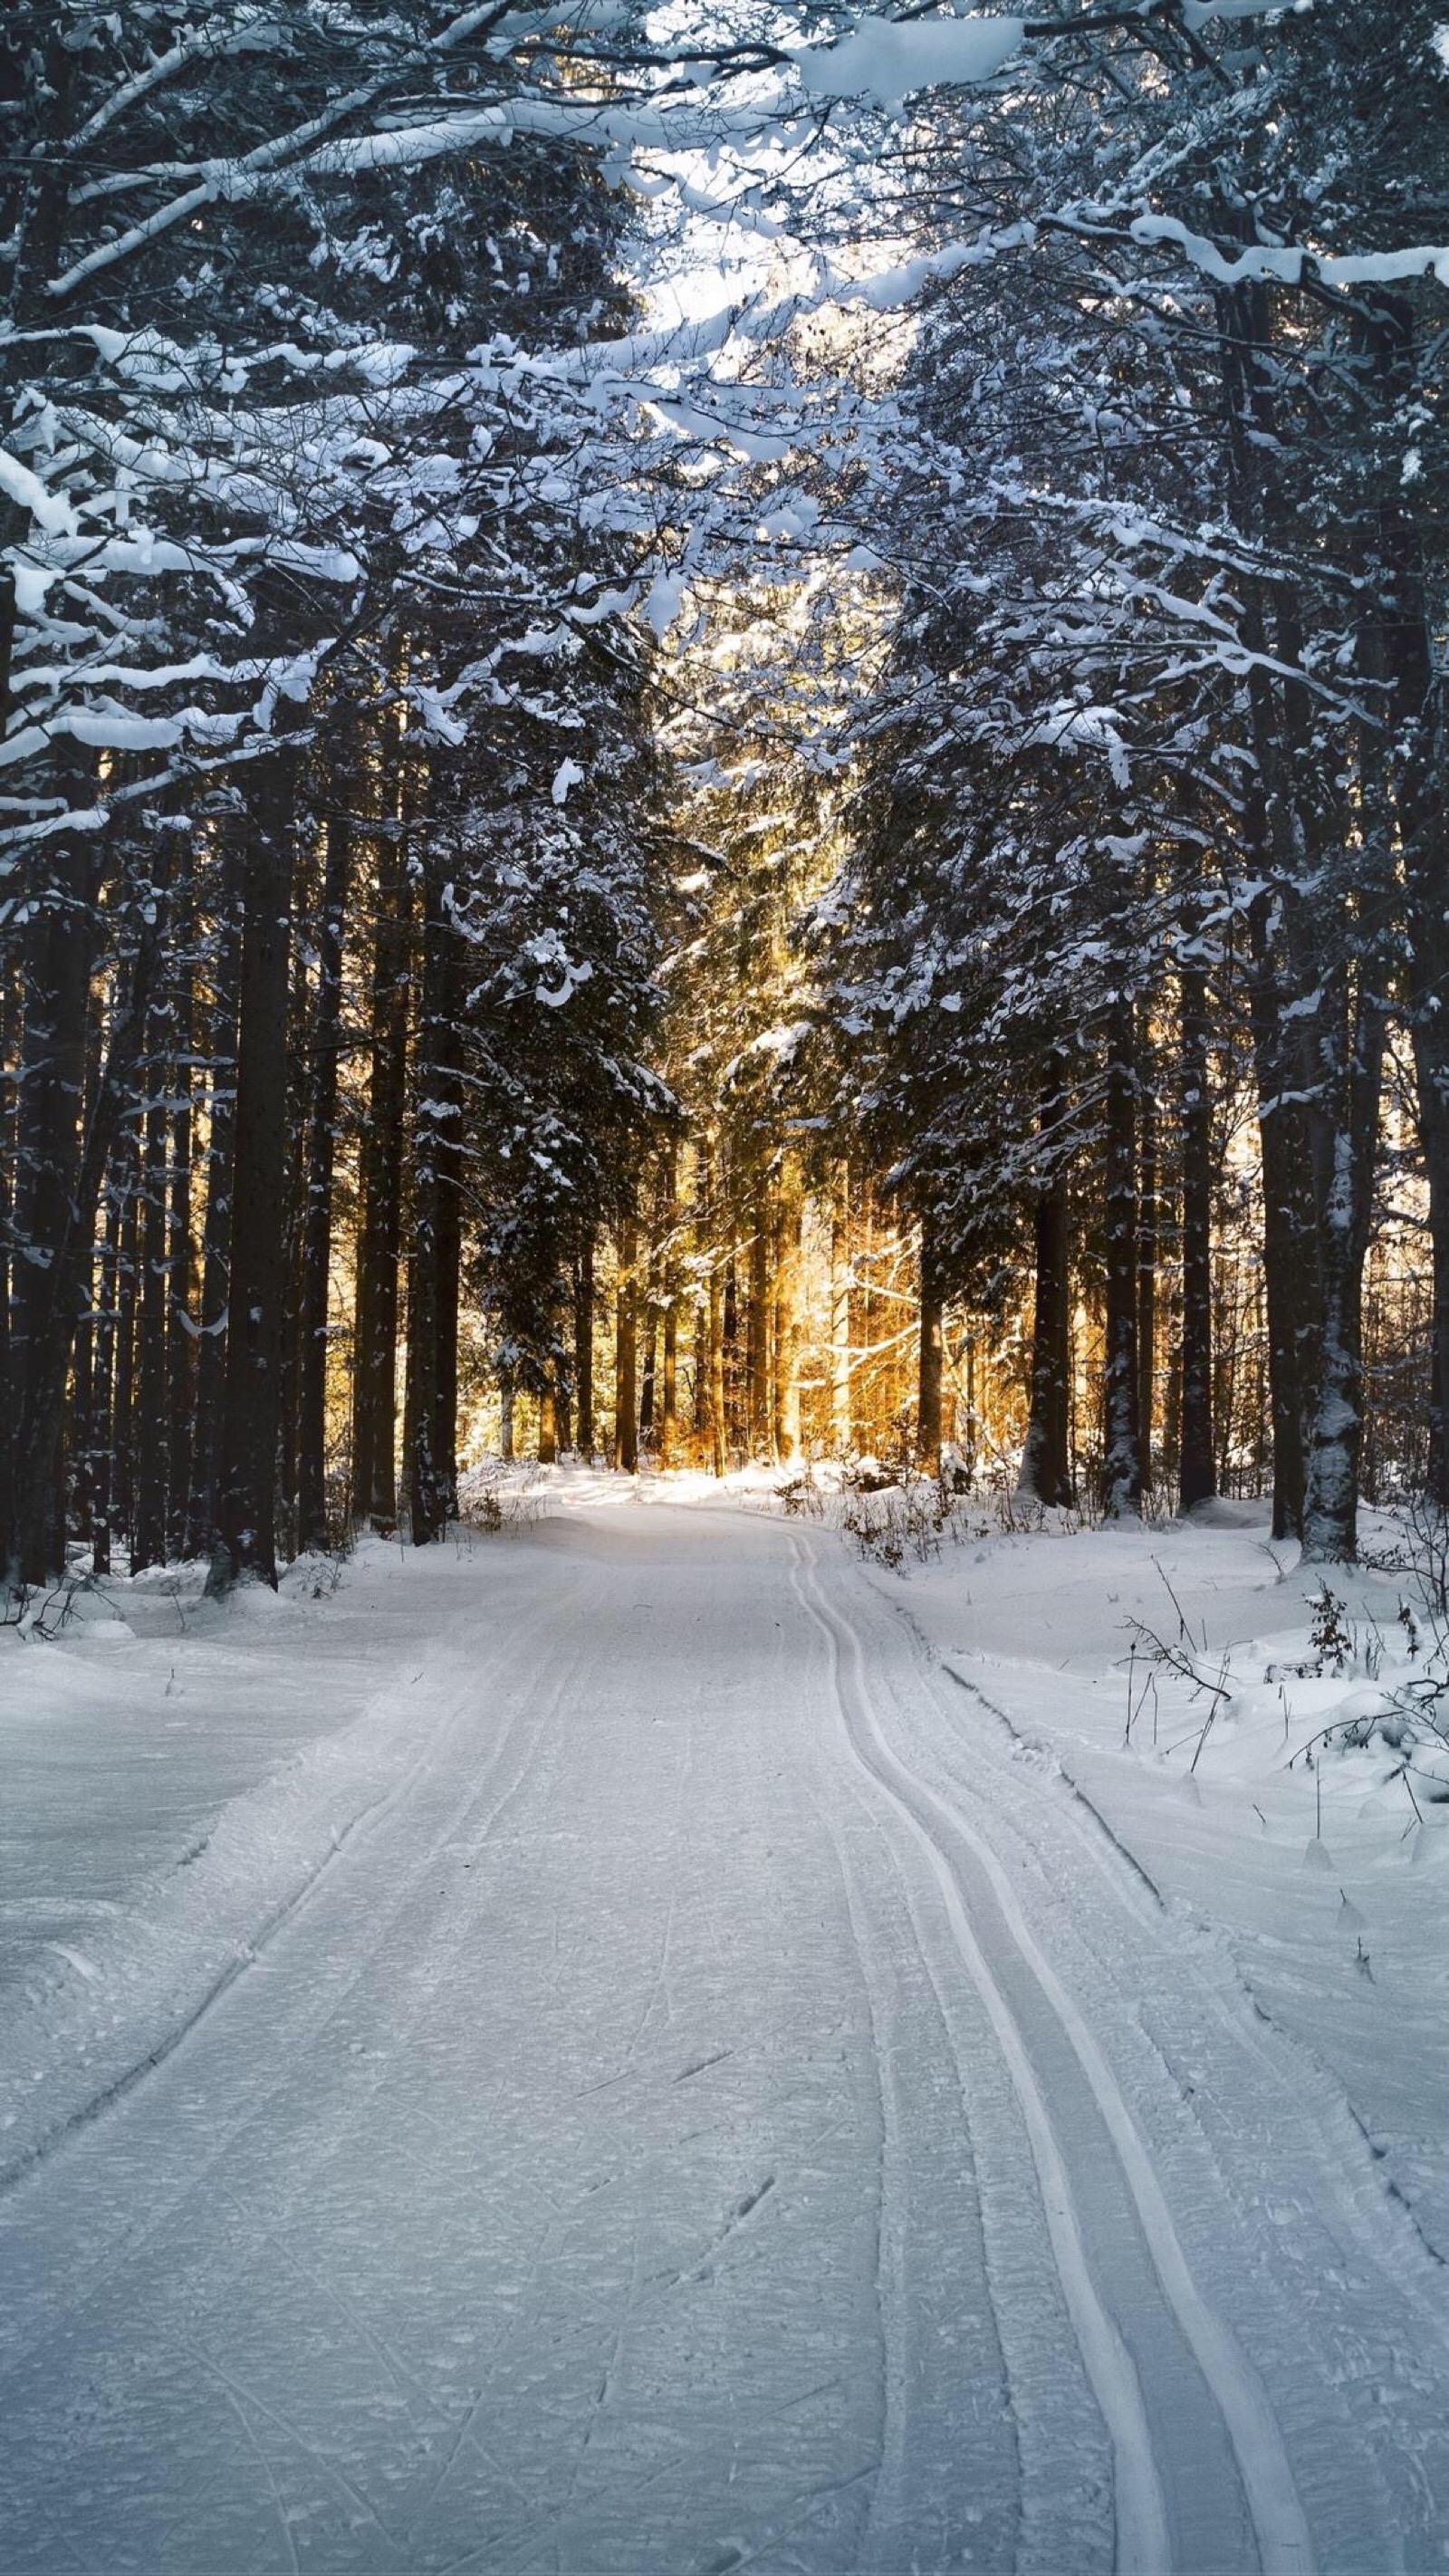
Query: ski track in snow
[(721, 2107), (1147, 2539)]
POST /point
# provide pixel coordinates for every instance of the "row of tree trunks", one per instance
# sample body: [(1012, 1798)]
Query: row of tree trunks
[(1323, 843), (1132, 1219), (188, 1376), (435, 1257)]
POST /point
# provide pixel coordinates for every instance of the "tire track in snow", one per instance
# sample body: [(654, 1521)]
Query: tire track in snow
[(1144, 2547)]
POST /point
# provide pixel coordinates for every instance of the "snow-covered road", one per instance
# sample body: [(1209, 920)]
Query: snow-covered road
[(722, 2106)]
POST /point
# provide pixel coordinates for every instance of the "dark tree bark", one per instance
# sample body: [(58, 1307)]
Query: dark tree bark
[(929, 1379), (1330, 1514), (180, 1264), (761, 1425), (1147, 1224), (148, 1541), (649, 1372), (733, 1416), (379, 1245), (1274, 839), (1197, 1473), (626, 1350), (436, 1247), (51, 1341), (126, 1163), (1287, 1225), (313, 1530), (11, 1023), (717, 1400), (669, 1312), (669, 1408), (789, 1220), (449, 1241), (103, 1366), (840, 1268), (216, 1229), (1122, 1463), (1408, 655), (1046, 1467), (584, 1346), (246, 1494), (548, 1428), (78, 1466), (48, 1213)]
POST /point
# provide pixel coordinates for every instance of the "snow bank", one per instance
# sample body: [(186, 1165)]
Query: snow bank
[(178, 1775), (1270, 1786)]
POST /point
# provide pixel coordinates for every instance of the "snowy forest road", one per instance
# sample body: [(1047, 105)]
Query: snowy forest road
[(730, 2107)]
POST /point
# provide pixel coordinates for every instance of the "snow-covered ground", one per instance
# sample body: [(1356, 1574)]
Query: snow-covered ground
[(643, 2042)]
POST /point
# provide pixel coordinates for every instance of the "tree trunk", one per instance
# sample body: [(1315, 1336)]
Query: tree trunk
[(431, 1409), (718, 1452), (840, 1311), (148, 1544), (103, 1375), (313, 1530), (789, 1220), (12, 990), (126, 1162), (1122, 1461), (379, 1247), (669, 1318), (626, 1350), (548, 1428), (928, 1393), (1287, 1222), (246, 1492), (1330, 1513), (669, 1410), (216, 1228), (1197, 1474), (761, 1427), (40, 1540), (649, 1371), (733, 1417), (1046, 1471), (584, 1346), (1147, 1221), (180, 1265), (1409, 657), (56, 956)]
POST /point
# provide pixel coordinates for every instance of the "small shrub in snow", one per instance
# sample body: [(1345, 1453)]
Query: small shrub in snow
[(1331, 1637), (909, 1519)]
